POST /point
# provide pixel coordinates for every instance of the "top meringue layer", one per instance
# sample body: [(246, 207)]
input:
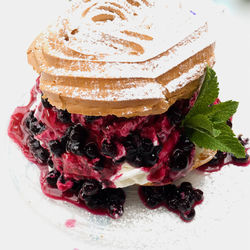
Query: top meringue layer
[(122, 57)]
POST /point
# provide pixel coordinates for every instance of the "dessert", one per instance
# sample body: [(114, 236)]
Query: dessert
[(117, 101)]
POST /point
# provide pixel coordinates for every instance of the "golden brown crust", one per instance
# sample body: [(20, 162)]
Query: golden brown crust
[(65, 99), (100, 66)]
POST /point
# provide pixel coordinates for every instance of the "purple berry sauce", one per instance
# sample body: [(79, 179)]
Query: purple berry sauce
[(77, 155)]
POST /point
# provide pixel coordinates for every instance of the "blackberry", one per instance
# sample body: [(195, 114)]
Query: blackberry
[(63, 116)]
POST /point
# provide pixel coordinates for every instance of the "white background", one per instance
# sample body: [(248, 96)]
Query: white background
[(20, 22)]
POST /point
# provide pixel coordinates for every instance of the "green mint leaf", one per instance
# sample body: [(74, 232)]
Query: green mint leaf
[(225, 142), (208, 93), (201, 123), (223, 111), (205, 124)]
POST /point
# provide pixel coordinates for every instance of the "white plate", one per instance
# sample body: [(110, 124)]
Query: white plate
[(222, 220)]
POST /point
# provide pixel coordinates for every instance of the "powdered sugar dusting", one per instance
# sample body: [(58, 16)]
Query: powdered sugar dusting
[(140, 35), (153, 90)]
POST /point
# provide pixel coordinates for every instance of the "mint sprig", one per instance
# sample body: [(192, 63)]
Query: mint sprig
[(205, 124)]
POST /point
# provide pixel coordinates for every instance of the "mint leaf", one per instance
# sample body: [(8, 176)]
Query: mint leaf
[(205, 124), (223, 111), (202, 123), (208, 93), (225, 142)]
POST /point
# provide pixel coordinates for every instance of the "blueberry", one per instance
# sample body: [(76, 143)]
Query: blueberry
[(131, 150), (96, 201), (115, 210), (240, 160), (78, 133), (46, 103), (185, 144), (189, 215), (185, 187), (33, 144), (91, 150), (42, 155), (99, 165), (65, 137), (114, 195), (244, 142), (51, 163), (36, 127), (75, 147), (76, 139), (172, 204), (63, 116), (90, 187), (153, 195), (146, 145), (170, 192), (172, 196), (110, 199), (175, 115), (29, 119), (198, 195), (77, 185), (140, 152), (52, 178), (178, 160), (184, 205), (149, 160), (90, 119), (109, 149), (229, 123), (217, 159), (33, 125), (56, 147)]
